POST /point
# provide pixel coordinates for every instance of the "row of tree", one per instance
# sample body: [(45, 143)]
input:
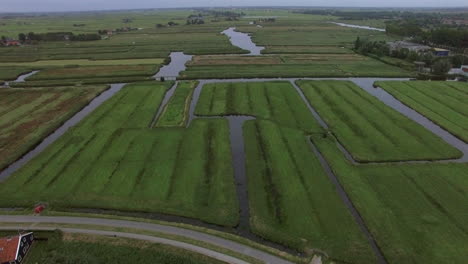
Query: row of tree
[(56, 36), (437, 65)]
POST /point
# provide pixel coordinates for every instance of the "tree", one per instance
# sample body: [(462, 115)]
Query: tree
[(412, 56), (159, 26), (357, 43), (22, 37), (4, 39), (428, 58), (441, 67)]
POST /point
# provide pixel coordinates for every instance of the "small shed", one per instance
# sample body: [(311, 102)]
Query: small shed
[(440, 52), (13, 249)]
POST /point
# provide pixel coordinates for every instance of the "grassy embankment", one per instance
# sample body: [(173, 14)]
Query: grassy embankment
[(445, 103), (27, 116), (291, 199), (175, 113), (370, 130), (58, 247), (112, 160)]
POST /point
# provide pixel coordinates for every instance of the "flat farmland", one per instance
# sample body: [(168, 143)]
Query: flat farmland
[(284, 175), (48, 63), (275, 101), (176, 112), (370, 130), (113, 160), (416, 212), (11, 73), (95, 72), (445, 103), (289, 65), (27, 116)]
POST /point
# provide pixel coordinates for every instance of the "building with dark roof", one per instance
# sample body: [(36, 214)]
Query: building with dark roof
[(13, 249)]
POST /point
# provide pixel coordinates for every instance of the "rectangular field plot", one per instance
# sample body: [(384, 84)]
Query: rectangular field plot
[(416, 212), (175, 112), (27, 116), (276, 101), (290, 65), (291, 199), (445, 103), (370, 130), (112, 160)]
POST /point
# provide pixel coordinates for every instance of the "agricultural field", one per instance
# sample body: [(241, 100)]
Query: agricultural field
[(370, 130), (289, 65), (27, 116), (415, 212), (285, 205), (11, 73), (58, 247), (445, 103), (113, 160), (175, 113), (56, 63)]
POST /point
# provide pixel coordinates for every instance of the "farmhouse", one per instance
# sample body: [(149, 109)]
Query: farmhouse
[(13, 249), (9, 43)]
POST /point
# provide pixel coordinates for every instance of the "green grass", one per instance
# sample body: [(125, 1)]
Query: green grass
[(291, 199), (58, 247), (113, 160), (370, 130), (292, 65), (27, 116), (445, 103), (95, 72), (82, 62), (176, 111), (10, 73), (415, 212), (80, 81), (275, 101)]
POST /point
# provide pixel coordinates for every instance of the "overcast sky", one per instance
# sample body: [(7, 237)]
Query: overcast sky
[(78, 5)]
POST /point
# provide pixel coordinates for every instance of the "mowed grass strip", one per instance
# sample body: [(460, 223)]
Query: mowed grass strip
[(415, 212), (112, 160), (292, 201), (445, 103), (82, 62), (275, 101), (370, 130), (175, 112), (95, 72), (27, 116)]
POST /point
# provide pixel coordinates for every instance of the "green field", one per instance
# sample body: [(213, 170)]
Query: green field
[(57, 247), (370, 130), (176, 111), (27, 116), (290, 65), (275, 101), (283, 174), (47, 63), (415, 212), (11, 73), (445, 103), (95, 72), (113, 160)]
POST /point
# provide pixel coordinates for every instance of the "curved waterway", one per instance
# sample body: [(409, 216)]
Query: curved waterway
[(358, 26), (243, 41), (21, 78), (175, 67), (97, 101)]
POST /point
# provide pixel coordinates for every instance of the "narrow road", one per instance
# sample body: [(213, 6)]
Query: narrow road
[(170, 230)]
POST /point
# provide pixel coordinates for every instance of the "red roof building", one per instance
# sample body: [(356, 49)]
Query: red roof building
[(12, 43), (13, 249)]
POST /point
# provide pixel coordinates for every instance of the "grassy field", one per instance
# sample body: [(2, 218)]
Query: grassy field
[(445, 103), (11, 73), (48, 63), (27, 116), (80, 81), (275, 101), (370, 130), (176, 111), (283, 173), (58, 247), (290, 65), (415, 212), (113, 160), (95, 72)]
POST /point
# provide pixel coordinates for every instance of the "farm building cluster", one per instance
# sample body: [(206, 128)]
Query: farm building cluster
[(13, 249), (419, 48)]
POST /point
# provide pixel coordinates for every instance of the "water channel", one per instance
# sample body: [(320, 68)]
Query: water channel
[(21, 78), (243, 41), (358, 26)]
